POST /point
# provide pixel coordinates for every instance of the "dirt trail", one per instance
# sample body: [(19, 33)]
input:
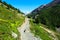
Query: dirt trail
[(25, 31)]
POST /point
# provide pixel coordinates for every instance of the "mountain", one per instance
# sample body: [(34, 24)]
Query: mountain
[(35, 11), (54, 2), (47, 14), (45, 6)]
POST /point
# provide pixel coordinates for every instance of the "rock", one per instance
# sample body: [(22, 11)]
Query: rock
[(14, 35)]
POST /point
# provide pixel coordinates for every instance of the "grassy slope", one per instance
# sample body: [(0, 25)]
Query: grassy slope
[(38, 31), (43, 34), (9, 20)]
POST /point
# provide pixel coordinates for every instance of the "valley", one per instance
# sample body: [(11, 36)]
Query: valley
[(42, 23)]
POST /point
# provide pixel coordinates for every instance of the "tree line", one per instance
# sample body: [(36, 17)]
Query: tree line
[(9, 6)]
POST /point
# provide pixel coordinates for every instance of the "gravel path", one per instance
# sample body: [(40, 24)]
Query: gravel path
[(25, 31)]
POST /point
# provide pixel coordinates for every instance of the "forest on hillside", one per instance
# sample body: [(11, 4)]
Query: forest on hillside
[(48, 15)]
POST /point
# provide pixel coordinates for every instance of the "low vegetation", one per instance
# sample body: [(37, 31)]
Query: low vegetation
[(9, 21), (38, 31)]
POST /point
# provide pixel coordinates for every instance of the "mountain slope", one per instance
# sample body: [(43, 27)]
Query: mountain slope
[(9, 20), (49, 15), (35, 11)]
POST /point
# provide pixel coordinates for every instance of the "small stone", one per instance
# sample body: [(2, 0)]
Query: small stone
[(14, 35)]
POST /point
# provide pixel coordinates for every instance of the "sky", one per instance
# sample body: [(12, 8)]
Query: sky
[(26, 6)]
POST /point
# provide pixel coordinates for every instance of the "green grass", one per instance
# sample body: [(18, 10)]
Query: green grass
[(38, 31), (9, 21), (5, 31), (58, 36)]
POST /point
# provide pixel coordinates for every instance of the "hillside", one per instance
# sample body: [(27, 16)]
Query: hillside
[(48, 15), (10, 19), (42, 23), (53, 3)]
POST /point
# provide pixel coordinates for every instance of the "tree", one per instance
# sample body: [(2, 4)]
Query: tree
[(18, 11), (1, 1), (5, 3)]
